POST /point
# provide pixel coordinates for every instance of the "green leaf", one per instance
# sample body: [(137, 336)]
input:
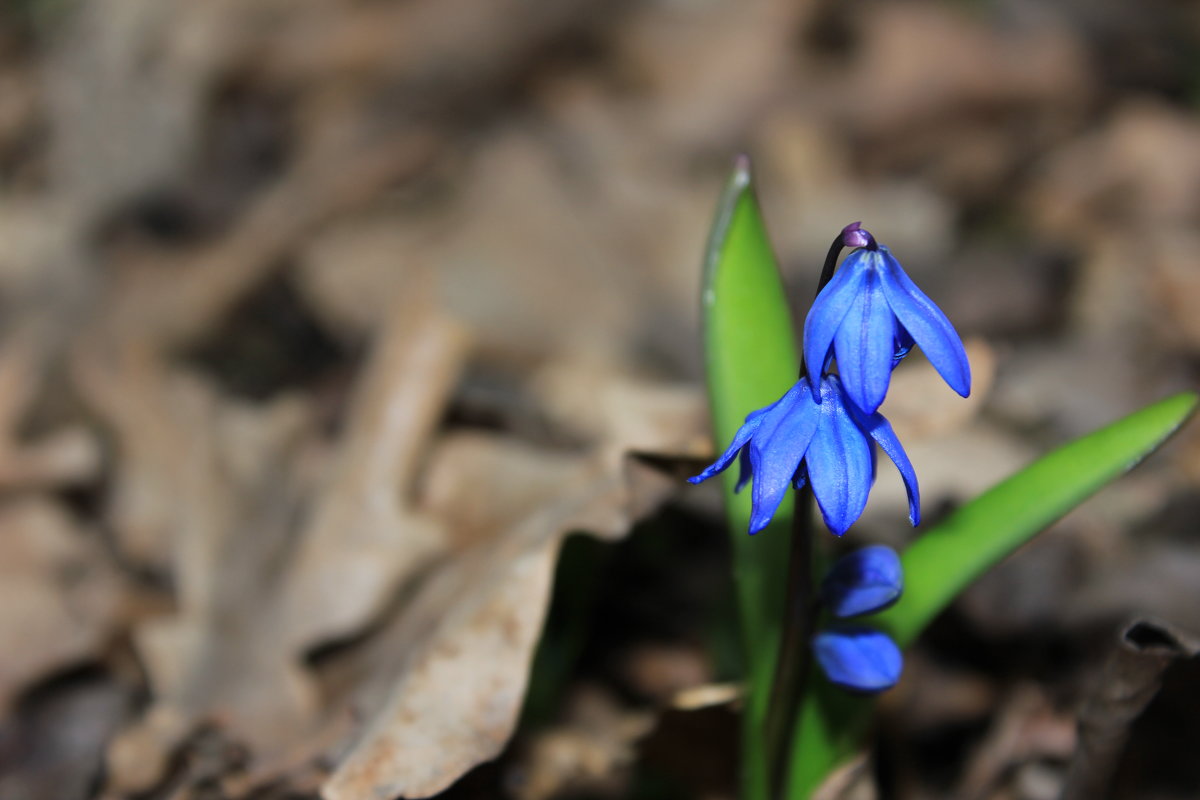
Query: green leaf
[(945, 560), (751, 360), (939, 565)]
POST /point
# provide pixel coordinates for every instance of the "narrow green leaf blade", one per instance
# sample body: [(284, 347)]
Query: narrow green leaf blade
[(751, 360), (939, 565), (946, 559)]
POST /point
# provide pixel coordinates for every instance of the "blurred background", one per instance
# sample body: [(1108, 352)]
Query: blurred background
[(323, 323)]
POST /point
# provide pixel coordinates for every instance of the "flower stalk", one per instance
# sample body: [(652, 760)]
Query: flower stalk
[(800, 612)]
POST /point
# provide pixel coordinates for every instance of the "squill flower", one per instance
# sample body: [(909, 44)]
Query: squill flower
[(827, 443), (869, 314), (859, 659), (862, 582), (855, 657)]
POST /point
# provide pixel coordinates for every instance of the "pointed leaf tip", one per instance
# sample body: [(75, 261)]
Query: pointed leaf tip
[(751, 361), (981, 533)]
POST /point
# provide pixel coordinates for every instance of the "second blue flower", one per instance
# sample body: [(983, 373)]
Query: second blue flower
[(827, 443)]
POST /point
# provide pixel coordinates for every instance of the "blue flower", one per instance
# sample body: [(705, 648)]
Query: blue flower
[(870, 313), (858, 659), (862, 582), (827, 443)]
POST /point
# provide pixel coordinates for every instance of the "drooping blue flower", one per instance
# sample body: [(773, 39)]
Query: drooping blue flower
[(827, 443), (858, 659), (862, 582), (869, 314)]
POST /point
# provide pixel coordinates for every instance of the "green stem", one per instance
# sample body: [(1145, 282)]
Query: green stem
[(794, 655)]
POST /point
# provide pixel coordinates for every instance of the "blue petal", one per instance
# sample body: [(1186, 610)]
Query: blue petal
[(858, 659), (865, 345), (749, 428), (744, 469), (881, 431), (927, 325), (862, 582), (830, 308), (839, 461), (777, 449), (739, 441)]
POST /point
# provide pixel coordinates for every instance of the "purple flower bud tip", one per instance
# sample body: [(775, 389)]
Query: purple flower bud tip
[(853, 235)]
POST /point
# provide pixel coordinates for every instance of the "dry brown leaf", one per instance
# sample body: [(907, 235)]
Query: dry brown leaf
[(661, 672), (180, 305), (454, 40), (934, 695), (937, 90), (35, 232), (590, 752), (477, 484), (1077, 384), (64, 456), (362, 540), (595, 398), (510, 270), (1133, 675), (464, 643), (811, 185), (222, 656), (1174, 286), (923, 62), (19, 105), (457, 700), (709, 70), (350, 271), (708, 695), (257, 584), (1126, 194), (59, 599), (469, 636), (125, 121), (125, 83), (154, 420), (1027, 727), (920, 405), (851, 781), (1140, 168)]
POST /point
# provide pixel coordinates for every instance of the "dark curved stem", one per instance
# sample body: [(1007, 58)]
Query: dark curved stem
[(827, 270), (831, 257), (792, 667)]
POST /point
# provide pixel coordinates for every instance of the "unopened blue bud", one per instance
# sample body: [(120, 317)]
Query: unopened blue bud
[(862, 582), (858, 659)]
